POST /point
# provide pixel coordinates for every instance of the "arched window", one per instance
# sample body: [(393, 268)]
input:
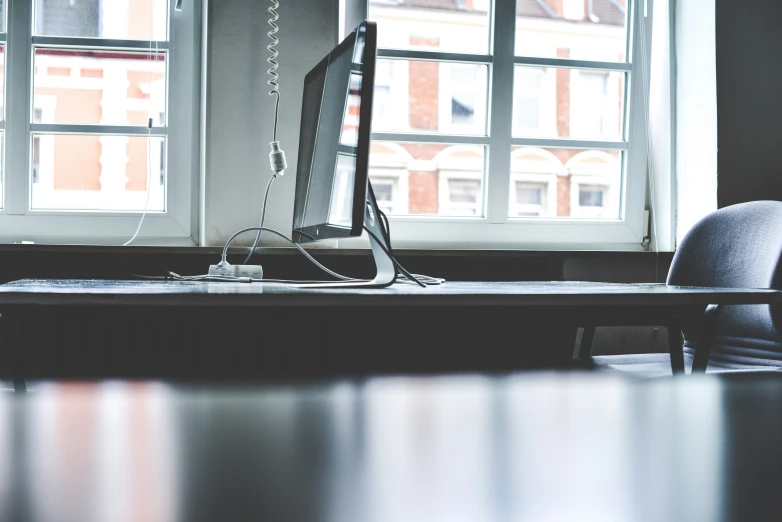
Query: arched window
[(388, 173), (533, 190), (460, 180), (595, 184)]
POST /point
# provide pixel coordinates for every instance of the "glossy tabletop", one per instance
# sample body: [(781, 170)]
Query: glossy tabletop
[(527, 447), (555, 293)]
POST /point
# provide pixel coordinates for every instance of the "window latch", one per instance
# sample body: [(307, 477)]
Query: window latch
[(178, 5)]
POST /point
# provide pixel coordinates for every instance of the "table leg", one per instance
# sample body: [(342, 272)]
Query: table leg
[(587, 337), (12, 340), (676, 346)]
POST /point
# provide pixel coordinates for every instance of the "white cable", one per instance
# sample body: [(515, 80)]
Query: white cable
[(263, 217), (224, 259), (276, 156), (152, 41)]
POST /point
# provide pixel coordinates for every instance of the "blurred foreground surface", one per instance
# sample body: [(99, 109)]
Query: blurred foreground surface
[(526, 447)]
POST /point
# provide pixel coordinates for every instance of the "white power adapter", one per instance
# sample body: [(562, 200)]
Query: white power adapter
[(226, 270)]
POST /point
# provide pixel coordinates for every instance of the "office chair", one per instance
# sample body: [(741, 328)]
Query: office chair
[(740, 247)]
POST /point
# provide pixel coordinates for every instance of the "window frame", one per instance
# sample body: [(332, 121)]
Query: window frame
[(178, 224), (496, 229)]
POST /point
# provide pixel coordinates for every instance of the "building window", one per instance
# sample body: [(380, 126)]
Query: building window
[(462, 104), (89, 149), (594, 180), (529, 199), (591, 196), (463, 196), (590, 97), (556, 78), (459, 169), (527, 98), (390, 186), (463, 96)]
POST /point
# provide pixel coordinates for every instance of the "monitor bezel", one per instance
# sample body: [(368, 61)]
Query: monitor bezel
[(325, 231)]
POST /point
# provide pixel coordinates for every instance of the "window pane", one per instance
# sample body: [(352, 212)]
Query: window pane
[(442, 25), (109, 88), (427, 96), (568, 103), (123, 20), (428, 179), (565, 183), (575, 29), (88, 172), (3, 15)]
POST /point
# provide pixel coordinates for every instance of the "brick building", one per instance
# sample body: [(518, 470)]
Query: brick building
[(451, 99)]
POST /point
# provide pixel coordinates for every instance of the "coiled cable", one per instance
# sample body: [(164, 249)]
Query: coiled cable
[(272, 59)]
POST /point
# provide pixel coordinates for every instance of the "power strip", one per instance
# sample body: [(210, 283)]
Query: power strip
[(226, 270)]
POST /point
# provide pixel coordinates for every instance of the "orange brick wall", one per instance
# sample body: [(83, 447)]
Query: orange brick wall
[(423, 192)]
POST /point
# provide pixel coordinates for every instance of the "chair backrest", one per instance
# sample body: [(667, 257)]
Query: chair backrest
[(737, 246)]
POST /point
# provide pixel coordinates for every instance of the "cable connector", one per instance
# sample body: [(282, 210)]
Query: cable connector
[(277, 159), (227, 270)]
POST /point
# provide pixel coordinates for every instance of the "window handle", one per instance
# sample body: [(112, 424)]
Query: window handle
[(178, 5)]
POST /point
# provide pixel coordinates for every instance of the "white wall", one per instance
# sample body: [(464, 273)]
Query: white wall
[(696, 108), (239, 109), (662, 190)]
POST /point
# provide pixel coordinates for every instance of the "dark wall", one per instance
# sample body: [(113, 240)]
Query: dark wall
[(749, 100)]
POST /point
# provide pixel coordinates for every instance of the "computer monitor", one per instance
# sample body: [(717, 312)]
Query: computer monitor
[(334, 198)]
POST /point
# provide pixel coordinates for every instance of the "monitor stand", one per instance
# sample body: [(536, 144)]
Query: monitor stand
[(386, 270)]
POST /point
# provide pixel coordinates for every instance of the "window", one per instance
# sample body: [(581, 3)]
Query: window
[(510, 129), (463, 197), (591, 195), (529, 199), (92, 132), (463, 99), (534, 107), (389, 174), (594, 182), (385, 193)]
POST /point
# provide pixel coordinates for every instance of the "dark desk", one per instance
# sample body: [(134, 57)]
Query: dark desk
[(72, 292), (532, 447), (87, 329)]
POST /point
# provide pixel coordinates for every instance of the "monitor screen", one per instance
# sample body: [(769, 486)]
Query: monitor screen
[(333, 160)]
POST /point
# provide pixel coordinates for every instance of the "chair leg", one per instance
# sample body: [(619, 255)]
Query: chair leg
[(705, 334), (676, 346)]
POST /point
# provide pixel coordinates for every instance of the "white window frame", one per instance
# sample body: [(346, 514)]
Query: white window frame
[(495, 229), (174, 226)]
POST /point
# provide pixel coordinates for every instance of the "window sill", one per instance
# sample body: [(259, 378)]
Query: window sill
[(114, 262)]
